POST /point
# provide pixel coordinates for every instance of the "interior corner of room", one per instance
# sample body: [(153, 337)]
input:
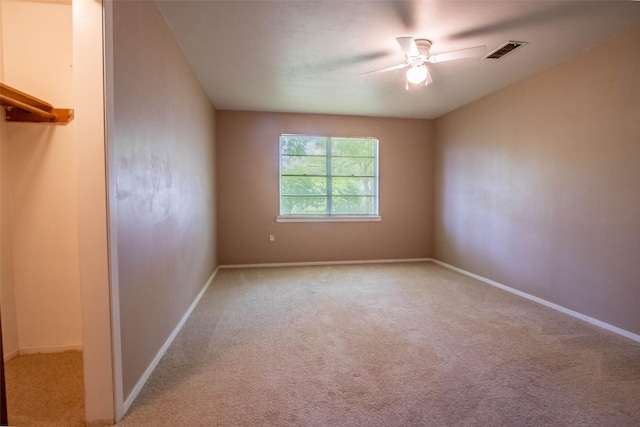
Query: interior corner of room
[(114, 225)]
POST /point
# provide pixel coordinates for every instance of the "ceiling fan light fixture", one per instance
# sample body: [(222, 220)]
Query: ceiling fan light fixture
[(417, 74), (417, 53)]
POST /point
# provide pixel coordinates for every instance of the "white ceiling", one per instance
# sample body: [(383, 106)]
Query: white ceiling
[(305, 56)]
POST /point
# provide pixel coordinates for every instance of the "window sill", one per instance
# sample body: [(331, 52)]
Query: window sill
[(328, 218)]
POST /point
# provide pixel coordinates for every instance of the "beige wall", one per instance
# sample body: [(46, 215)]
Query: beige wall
[(7, 297), (164, 168), (538, 185), (40, 179), (248, 193)]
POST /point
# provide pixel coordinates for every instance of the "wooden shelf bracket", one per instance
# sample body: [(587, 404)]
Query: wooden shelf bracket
[(21, 107)]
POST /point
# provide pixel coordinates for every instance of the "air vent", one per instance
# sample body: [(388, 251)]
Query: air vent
[(506, 48)]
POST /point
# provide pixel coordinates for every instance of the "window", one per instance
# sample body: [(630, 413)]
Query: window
[(328, 178)]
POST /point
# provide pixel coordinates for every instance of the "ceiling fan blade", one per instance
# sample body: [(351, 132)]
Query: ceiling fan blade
[(406, 11), (408, 46), (382, 70), (471, 52)]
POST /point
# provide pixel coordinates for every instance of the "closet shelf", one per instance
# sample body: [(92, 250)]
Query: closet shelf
[(22, 107)]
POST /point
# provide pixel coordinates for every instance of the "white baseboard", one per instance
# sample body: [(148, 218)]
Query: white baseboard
[(315, 263), (11, 354), (560, 308), (49, 349), (22, 351), (154, 363)]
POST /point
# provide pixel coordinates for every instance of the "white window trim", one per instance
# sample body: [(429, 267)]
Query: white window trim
[(331, 217), (328, 218)]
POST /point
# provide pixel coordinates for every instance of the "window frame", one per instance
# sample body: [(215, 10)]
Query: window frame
[(330, 217)]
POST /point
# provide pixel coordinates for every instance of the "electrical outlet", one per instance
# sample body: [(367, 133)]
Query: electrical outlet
[(272, 237)]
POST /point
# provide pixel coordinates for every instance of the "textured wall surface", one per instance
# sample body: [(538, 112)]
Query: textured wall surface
[(164, 154), (39, 181), (248, 191), (537, 186), (7, 296)]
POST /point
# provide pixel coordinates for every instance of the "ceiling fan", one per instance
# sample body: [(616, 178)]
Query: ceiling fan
[(417, 53)]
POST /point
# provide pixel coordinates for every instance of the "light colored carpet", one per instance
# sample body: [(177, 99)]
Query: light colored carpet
[(45, 390), (385, 345)]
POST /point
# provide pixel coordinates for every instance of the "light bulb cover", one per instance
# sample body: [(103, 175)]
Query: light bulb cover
[(417, 74)]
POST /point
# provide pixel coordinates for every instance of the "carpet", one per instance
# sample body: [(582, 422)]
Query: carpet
[(411, 344), (45, 390)]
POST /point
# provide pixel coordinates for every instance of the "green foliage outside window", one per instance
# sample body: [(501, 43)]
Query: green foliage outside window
[(328, 176)]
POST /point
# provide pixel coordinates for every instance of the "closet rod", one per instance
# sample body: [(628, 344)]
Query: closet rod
[(22, 107)]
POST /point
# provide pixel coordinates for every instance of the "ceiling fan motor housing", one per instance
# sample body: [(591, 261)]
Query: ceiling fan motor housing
[(424, 46)]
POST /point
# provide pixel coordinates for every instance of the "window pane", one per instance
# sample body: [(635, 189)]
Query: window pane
[(353, 147), (304, 188), (353, 205), (302, 185), (353, 186), (301, 145), (308, 205), (353, 166), (303, 165)]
